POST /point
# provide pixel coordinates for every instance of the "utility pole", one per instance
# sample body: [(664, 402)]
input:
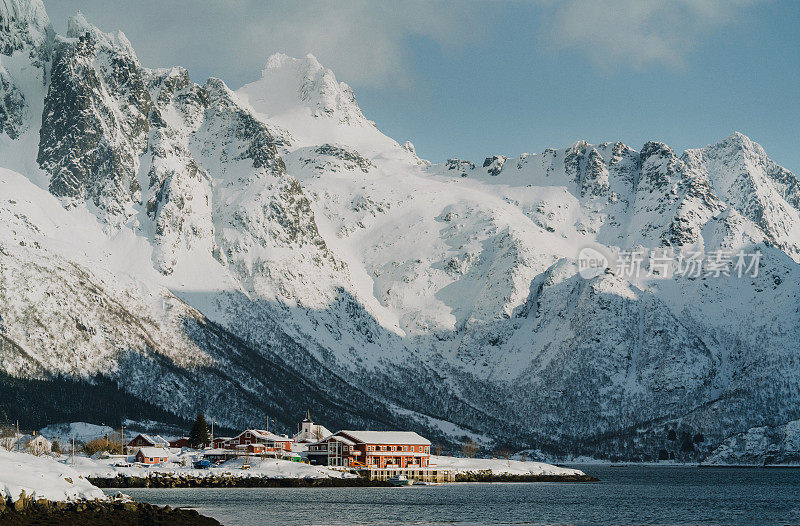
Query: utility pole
[(18, 435), (122, 438), (212, 432), (73, 448)]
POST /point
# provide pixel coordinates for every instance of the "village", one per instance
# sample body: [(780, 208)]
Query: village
[(396, 456), (314, 452)]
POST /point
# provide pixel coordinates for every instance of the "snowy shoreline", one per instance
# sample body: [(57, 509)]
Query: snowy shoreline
[(25, 476), (674, 464)]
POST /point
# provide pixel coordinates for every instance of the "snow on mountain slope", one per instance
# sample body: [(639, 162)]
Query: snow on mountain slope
[(761, 445), (26, 37), (759, 189), (271, 244)]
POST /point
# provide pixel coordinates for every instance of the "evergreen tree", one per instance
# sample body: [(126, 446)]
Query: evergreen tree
[(199, 434)]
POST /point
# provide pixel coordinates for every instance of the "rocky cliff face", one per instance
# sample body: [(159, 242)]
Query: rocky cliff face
[(250, 252), (25, 44), (760, 446)]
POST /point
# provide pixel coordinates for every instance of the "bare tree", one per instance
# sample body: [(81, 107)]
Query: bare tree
[(469, 448), (110, 443), (8, 437), (504, 452)]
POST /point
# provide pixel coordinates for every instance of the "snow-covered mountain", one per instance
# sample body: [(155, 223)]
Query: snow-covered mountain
[(254, 252)]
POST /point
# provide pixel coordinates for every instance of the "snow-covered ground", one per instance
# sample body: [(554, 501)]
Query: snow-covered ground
[(81, 431), (42, 478), (500, 466), (271, 468)]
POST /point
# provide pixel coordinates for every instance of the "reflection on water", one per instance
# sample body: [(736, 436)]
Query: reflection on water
[(652, 495)]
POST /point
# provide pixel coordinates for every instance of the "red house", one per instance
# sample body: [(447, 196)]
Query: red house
[(375, 449), (179, 442), (144, 440), (219, 442), (152, 455), (262, 442)]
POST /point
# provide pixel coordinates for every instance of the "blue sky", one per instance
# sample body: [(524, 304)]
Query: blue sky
[(472, 78)]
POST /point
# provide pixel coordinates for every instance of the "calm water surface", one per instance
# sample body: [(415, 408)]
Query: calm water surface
[(627, 495)]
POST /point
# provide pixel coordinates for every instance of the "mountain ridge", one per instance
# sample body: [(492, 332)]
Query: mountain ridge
[(222, 250)]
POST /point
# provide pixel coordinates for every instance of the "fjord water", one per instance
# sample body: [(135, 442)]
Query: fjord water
[(635, 494)]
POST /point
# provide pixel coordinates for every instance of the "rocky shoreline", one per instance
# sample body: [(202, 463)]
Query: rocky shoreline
[(116, 512), (489, 477), (222, 481), (217, 481)]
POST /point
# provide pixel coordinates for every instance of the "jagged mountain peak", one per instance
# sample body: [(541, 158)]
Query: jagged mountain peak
[(337, 254), (658, 148), (281, 60), (737, 144), (742, 174), (23, 22), (578, 146), (289, 85), (78, 26)]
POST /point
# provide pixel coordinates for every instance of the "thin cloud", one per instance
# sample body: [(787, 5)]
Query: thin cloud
[(635, 33), (365, 42), (368, 42)]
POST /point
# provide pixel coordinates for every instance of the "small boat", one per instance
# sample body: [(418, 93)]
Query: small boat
[(399, 480), (201, 464), (245, 466)]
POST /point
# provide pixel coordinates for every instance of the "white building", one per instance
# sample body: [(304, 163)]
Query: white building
[(36, 445), (310, 432)]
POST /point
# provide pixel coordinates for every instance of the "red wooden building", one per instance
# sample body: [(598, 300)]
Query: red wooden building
[(152, 455), (372, 449), (219, 442), (144, 440), (259, 441), (179, 442)]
